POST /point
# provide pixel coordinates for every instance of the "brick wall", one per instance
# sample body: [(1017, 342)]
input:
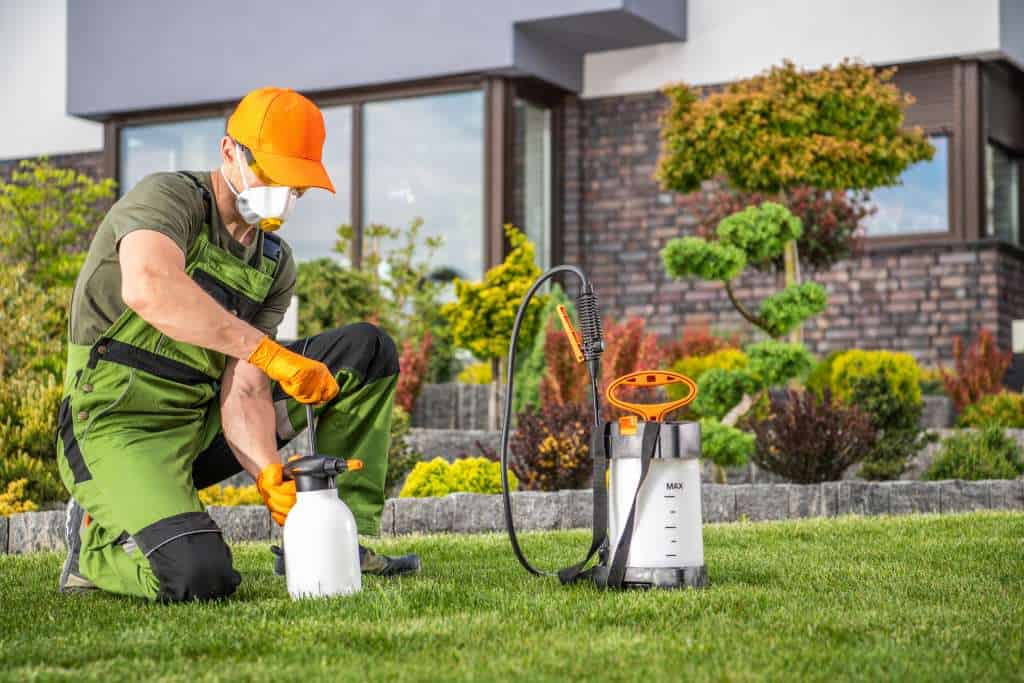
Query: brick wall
[(911, 299)]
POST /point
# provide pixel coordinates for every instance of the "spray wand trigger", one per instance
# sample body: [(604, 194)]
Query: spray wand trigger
[(570, 332)]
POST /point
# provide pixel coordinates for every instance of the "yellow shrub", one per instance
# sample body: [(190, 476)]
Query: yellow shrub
[(465, 475), (230, 495), (900, 369), (475, 373), (695, 366), (13, 501)]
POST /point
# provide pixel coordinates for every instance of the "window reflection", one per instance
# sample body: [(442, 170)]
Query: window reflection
[(920, 204), (1002, 193), (424, 158), (311, 229), (533, 177), (180, 146)]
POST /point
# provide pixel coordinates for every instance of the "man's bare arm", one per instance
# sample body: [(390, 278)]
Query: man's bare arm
[(155, 286), (247, 416)]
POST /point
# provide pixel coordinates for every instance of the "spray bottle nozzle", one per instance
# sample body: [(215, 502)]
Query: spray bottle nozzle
[(317, 472)]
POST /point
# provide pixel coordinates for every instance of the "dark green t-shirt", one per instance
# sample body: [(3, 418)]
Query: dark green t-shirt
[(172, 205)]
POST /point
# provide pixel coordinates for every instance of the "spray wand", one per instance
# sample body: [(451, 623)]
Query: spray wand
[(588, 345)]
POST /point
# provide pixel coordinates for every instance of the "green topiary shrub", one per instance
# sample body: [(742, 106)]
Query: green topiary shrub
[(466, 475), (723, 445), (694, 367), (1005, 409), (986, 454), (897, 421)]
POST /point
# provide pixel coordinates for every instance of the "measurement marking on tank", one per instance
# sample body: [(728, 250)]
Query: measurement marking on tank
[(670, 496), (670, 527), (674, 541), (671, 555)]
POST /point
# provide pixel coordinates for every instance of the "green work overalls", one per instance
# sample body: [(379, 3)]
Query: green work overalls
[(139, 409)]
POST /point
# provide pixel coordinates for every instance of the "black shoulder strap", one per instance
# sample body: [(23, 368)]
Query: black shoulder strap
[(599, 455), (207, 199), (272, 246)]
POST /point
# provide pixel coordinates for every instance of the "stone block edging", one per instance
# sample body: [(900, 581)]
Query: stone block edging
[(536, 510)]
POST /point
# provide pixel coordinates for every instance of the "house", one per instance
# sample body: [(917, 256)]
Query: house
[(545, 114)]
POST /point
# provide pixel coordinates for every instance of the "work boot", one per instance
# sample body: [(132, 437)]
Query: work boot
[(384, 565), (369, 562), (71, 581)]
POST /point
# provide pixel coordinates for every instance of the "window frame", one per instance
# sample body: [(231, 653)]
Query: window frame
[(952, 231), (1018, 160), (497, 166)]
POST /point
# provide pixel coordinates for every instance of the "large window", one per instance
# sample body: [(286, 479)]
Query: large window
[(533, 176), (424, 153), (179, 146), (312, 228), (423, 158), (920, 203), (1002, 194)]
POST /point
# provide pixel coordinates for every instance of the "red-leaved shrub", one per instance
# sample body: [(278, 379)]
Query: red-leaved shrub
[(550, 447), (699, 340), (978, 370), (413, 367), (809, 440), (831, 220)]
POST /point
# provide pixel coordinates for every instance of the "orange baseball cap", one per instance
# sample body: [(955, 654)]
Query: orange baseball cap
[(285, 133)]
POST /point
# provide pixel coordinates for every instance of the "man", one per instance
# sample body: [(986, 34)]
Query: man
[(174, 381)]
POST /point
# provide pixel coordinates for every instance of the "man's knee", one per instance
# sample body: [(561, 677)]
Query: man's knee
[(364, 348), (189, 558)]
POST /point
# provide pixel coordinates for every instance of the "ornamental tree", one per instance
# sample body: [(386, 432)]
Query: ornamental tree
[(482, 315), (835, 129)]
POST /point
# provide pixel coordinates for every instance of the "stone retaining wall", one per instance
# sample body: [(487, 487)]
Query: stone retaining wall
[(535, 510)]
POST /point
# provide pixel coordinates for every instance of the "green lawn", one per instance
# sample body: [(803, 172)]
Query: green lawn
[(910, 598)]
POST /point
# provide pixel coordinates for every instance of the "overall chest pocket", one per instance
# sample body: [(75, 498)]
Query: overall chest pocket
[(237, 303)]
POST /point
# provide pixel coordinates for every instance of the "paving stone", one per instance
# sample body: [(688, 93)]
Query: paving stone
[(806, 500), (476, 512), (964, 496), (762, 502), (387, 517), (878, 497), (424, 515), (937, 412), (830, 498), (577, 508), (534, 510), (3, 535), (32, 531), (1004, 494), (718, 502), (854, 498), (909, 497), (242, 522)]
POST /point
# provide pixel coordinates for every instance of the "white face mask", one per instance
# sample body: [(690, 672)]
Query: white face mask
[(267, 206)]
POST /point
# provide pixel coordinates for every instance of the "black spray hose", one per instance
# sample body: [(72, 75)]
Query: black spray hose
[(592, 345)]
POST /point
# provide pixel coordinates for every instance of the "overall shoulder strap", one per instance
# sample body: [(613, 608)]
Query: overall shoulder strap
[(617, 570)]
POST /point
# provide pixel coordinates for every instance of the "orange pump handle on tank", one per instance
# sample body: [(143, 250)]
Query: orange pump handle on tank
[(651, 412)]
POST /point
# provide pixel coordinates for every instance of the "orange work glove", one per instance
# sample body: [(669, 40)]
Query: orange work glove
[(278, 494), (304, 379)]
